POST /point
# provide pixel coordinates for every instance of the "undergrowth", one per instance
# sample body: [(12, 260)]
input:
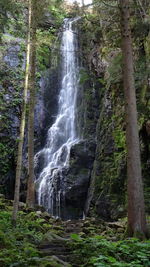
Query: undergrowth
[(98, 251), (19, 245)]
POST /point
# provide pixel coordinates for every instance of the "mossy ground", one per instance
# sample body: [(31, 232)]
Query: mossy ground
[(90, 242)]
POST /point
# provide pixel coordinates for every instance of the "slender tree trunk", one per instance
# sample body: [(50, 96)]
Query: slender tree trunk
[(30, 187), (136, 210), (22, 128)]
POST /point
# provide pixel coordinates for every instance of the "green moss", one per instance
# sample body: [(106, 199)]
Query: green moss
[(18, 246)]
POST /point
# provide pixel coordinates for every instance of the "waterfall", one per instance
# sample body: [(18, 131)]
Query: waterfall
[(62, 135)]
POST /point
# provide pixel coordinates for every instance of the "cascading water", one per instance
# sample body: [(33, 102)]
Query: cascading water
[(62, 135)]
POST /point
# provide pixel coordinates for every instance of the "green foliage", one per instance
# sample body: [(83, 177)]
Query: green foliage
[(45, 40), (119, 137), (11, 17), (14, 18), (9, 103), (5, 151), (76, 237), (5, 6), (115, 70), (97, 251), (18, 246), (58, 12), (83, 76), (141, 72)]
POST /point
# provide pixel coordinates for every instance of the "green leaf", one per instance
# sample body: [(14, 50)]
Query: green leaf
[(76, 237)]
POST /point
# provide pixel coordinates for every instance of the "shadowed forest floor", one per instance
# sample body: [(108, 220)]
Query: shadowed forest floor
[(40, 240)]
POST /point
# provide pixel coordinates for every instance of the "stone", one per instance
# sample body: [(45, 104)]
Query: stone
[(63, 263), (11, 58), (39, 213), (22, 205), (7, 98), (87, 224), (50, 237), (58, 220), (93, 220), (40, 208), (118, 224), (46, 215), (76, 179)]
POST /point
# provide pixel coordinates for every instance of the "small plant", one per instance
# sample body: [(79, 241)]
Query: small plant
[(97, 251)]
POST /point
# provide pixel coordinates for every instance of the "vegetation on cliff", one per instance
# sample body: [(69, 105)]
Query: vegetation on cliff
[(103, 54), (100, 240)]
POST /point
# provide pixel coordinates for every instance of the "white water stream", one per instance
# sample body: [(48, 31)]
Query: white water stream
[(62, 135)]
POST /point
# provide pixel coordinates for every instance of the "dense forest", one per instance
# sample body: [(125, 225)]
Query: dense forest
[(74, 133)]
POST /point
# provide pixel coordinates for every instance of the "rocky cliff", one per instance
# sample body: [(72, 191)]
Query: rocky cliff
[(95, 182), (107, 190)]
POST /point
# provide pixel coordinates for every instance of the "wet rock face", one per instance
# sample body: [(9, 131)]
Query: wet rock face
[(71, 183), (82, 154), (76, 179), (106, 189), (46, 106), (10, 98), (47, 21), (11, 58), (11, 87)]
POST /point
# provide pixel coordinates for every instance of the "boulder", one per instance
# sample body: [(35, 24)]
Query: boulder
[(76, 179)]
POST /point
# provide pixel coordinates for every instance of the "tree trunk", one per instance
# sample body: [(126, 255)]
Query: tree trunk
[(30, 187), (136, 210), (22, 128)]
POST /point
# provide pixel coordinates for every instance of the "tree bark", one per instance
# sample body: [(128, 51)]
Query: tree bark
[(30, 187), (136, 210), (22, 128)]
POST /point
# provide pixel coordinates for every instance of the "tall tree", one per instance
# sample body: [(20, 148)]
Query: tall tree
[(30, 187), (22, 126), (37, 11), (136, 210)]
